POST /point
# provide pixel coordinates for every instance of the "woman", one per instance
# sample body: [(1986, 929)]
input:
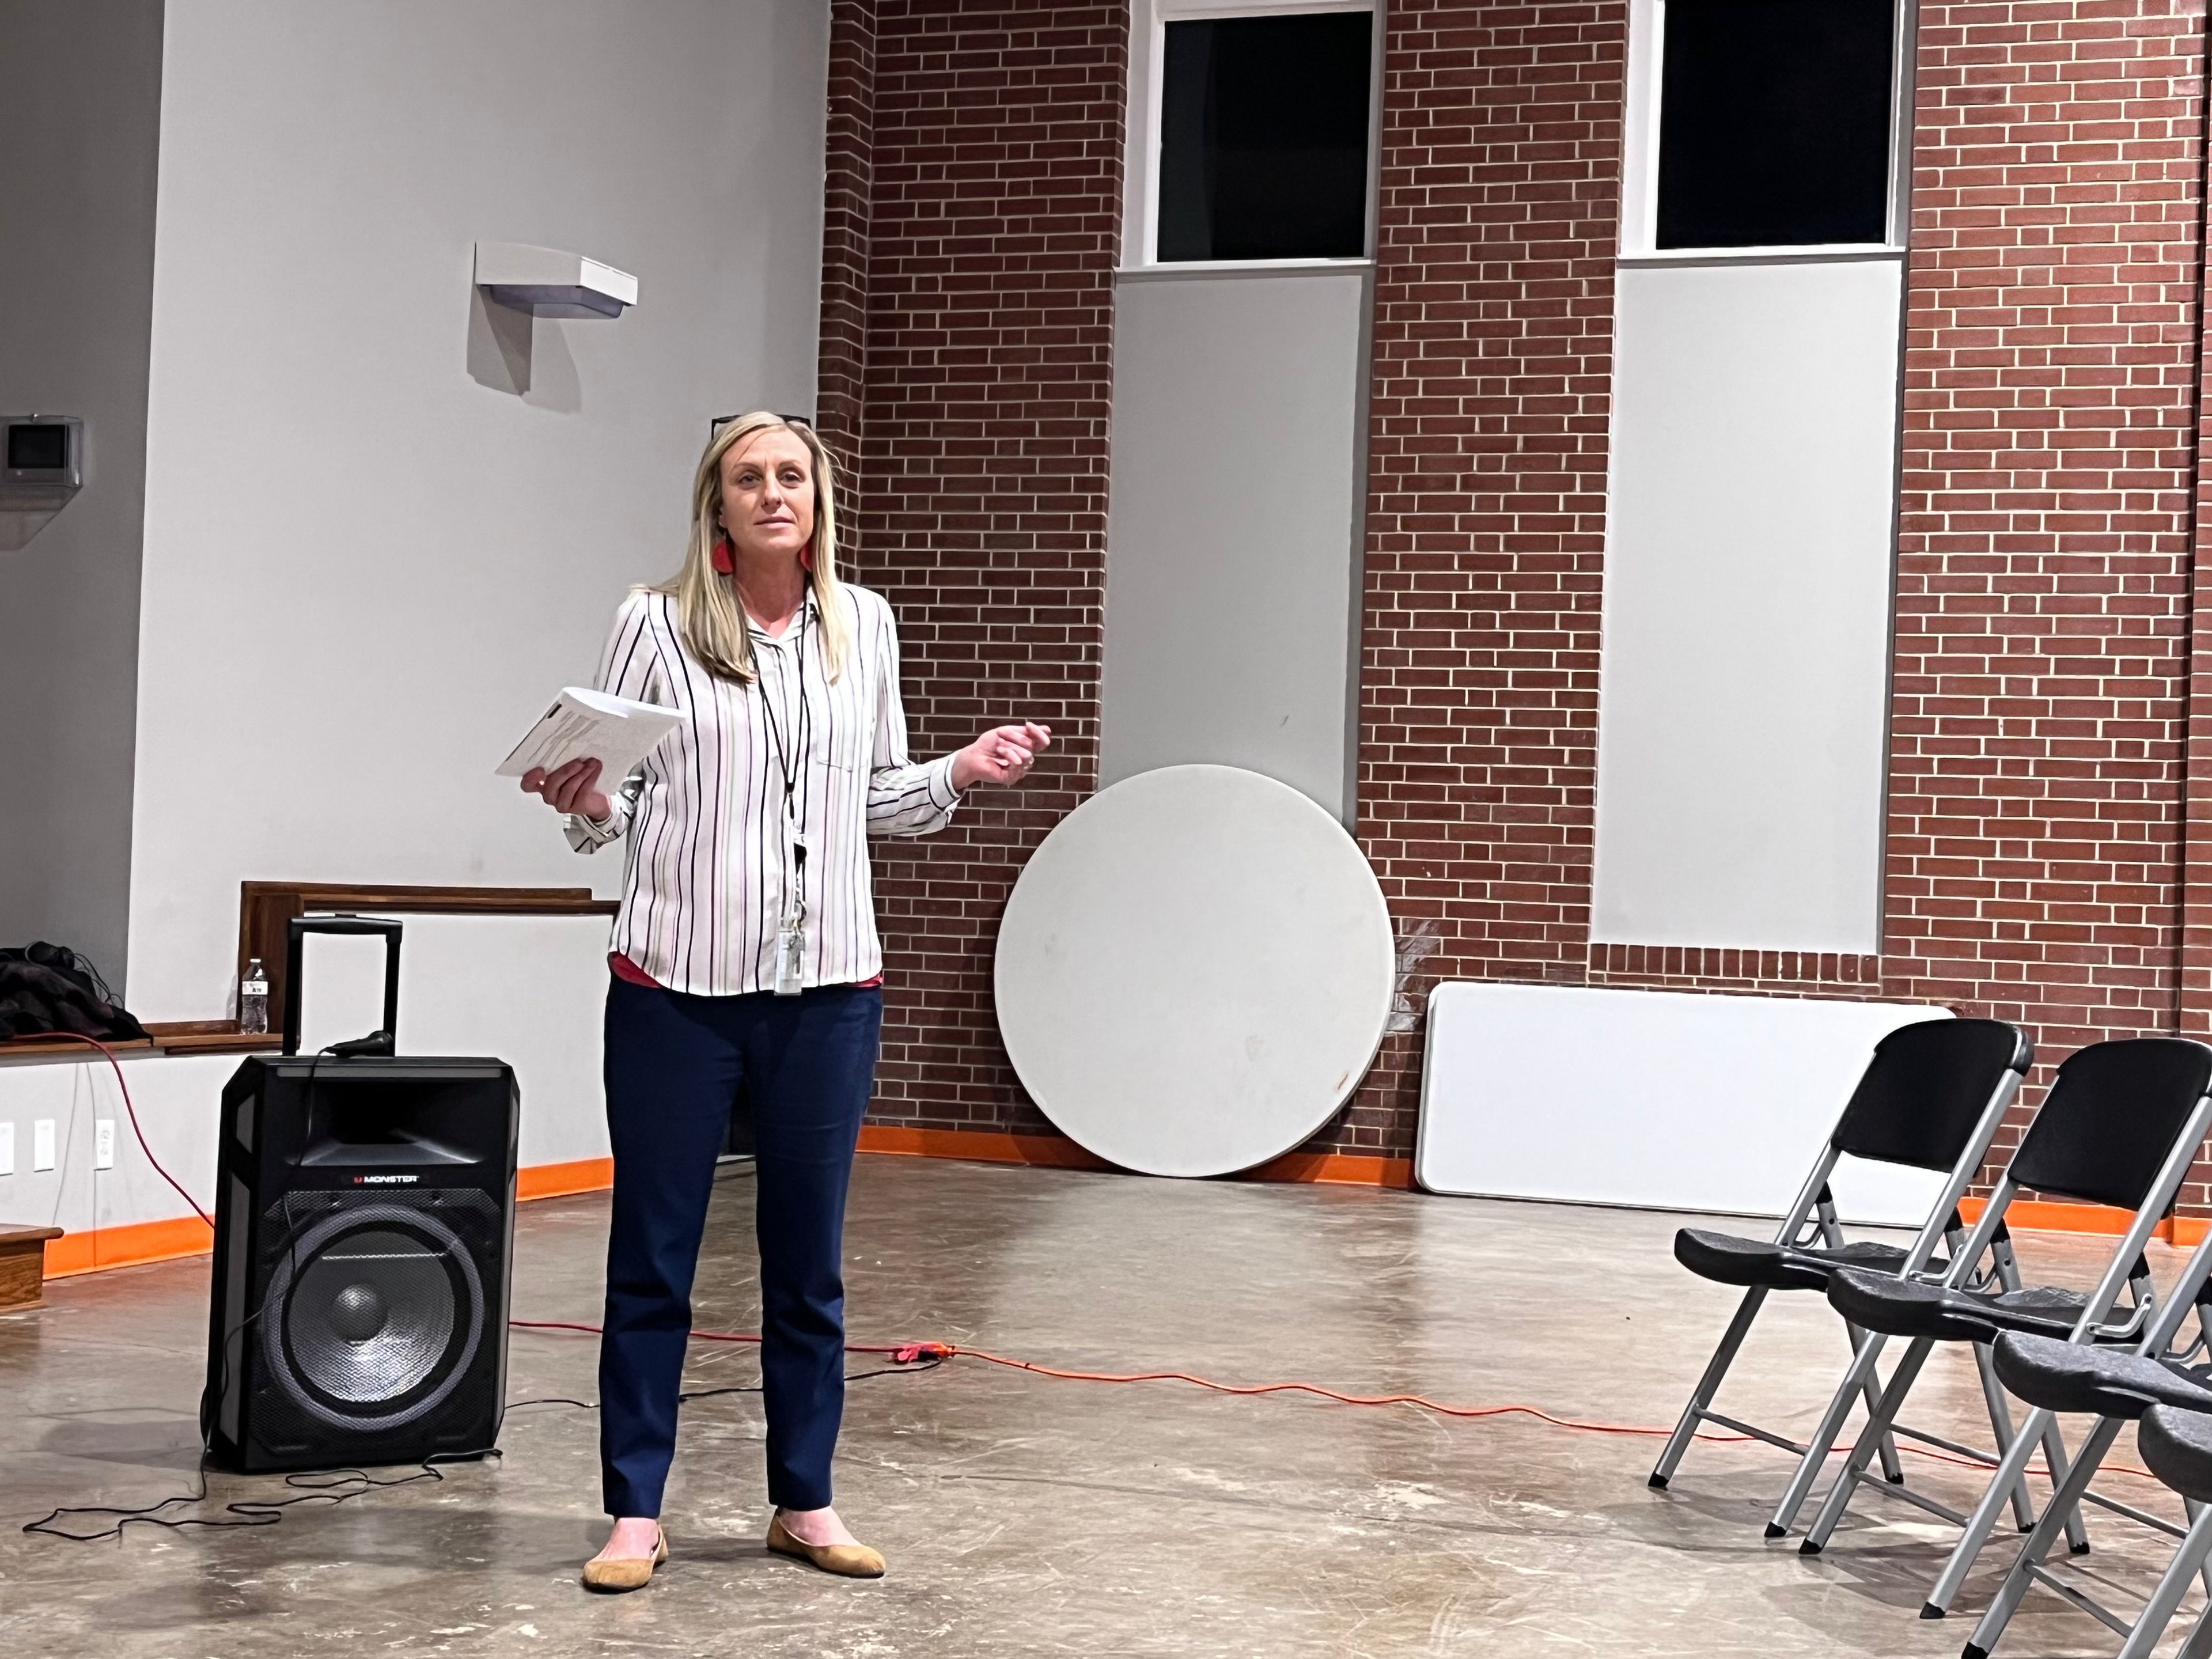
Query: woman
[(745, 962)]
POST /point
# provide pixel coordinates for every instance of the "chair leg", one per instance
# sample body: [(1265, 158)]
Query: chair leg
[(1892, 1469), (2158, 1611), (2192, 1508), (2054, 1458), (2199, 1645), (2064, 1503), (1824, 1436), (1708, 1385), (2010, 1478), (1847, 1481), (1993, 1397), (2006, 1265)]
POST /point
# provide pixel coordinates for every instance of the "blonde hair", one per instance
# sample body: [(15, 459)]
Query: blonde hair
[(709, 613)]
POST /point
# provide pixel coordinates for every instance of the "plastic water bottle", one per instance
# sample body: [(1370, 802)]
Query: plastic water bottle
[(253, 1000)]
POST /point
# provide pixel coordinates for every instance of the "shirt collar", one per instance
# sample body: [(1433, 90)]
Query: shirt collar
[(804, 617)]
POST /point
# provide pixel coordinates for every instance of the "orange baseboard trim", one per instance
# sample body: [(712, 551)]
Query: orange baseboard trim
[(2040, 1215), (140, 1242), (1050, 1152), (584, 1175), (979, 1147), (143, 1242), (131, 1246), (1340, 1169)]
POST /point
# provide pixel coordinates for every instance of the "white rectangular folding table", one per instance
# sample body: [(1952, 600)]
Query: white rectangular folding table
[(1668, 1100)]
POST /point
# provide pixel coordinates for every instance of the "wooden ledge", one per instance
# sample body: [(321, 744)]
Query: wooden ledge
[(265, 909), (484, 900), (199, 1036), (30, 1047), (212, 1036)]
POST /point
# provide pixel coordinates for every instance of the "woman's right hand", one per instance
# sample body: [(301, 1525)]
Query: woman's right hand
[(571, 788)]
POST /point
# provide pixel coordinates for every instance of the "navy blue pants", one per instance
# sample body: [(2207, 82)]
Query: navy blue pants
[(676, 1066)]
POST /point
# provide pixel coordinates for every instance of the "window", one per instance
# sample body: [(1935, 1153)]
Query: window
[(1263, 138), (1774, 124)]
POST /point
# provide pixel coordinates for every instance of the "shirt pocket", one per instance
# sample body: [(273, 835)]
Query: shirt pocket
[(841, 749)]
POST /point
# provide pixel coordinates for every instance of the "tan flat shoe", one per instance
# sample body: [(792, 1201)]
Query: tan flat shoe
[(625, 1572), (846, 1560)]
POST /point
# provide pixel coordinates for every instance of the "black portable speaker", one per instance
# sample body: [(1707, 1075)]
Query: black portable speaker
[(364, 1233)]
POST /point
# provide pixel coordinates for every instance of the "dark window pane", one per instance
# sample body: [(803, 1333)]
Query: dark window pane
[(1774, 123), (1263, 138)]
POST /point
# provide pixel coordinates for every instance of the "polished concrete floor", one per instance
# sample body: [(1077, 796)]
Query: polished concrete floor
[(1028, 1515)]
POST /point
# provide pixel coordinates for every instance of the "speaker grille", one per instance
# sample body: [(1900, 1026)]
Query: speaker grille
[(375, 1309), (371, 1317)]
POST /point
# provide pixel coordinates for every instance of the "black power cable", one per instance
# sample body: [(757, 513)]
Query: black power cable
[(928, 1363), (336, 1485), (339, 1485), (319, 1486), (333, 1486)]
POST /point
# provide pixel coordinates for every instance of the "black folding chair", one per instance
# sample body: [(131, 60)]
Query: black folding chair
[(1931, 1098), (2177, 1443), (2120, 1126), (2117, 1388)]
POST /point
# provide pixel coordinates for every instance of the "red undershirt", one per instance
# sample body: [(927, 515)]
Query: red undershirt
[(623, 968)]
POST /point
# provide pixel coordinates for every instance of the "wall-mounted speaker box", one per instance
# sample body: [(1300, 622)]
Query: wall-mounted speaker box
[(364, 1233), (41, 470), (552, 283)]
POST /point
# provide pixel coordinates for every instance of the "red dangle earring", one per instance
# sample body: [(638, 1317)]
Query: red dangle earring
[(721, 558)]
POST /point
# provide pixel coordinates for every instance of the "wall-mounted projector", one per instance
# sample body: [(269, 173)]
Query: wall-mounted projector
[(551, 283), (43, 457)]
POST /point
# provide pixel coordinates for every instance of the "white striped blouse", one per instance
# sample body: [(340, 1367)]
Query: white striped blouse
[(711, 871)]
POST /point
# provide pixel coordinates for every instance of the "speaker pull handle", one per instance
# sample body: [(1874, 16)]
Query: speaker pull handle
[(295, 950)]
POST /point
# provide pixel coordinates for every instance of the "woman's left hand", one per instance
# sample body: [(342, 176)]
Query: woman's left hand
[(1003, 755)]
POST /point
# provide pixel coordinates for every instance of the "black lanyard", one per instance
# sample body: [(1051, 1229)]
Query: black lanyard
[(791, 764)]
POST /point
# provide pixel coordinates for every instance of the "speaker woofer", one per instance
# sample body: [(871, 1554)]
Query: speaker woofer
[(372, 1317)]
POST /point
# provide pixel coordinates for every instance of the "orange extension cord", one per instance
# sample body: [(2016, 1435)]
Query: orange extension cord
[(908, 1353)]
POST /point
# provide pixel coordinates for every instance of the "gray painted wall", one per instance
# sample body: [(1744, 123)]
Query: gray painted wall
[(1743, 703), (80, 109), (1232, 567), (382, 524)]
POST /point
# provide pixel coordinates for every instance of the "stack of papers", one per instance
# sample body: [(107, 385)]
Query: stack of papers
[(617, 732)]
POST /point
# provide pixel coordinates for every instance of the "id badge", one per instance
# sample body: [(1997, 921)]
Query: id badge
[(790, 957)]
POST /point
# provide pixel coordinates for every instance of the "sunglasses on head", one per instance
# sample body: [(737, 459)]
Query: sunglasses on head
[(719, 422)]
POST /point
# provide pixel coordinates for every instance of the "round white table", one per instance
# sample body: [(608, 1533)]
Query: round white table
[(1195, 971)]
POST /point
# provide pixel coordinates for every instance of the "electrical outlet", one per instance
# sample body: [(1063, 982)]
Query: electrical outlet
[(103, 1143), (7, 1149), (42, 1144)]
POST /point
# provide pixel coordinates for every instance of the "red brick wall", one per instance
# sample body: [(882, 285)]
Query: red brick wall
[(847, 198), (2034, 841), (2196, 988), (1776, 973), (2036, 851), (1486, 514), (978, 505), (2041, 668), (2042, 660)]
